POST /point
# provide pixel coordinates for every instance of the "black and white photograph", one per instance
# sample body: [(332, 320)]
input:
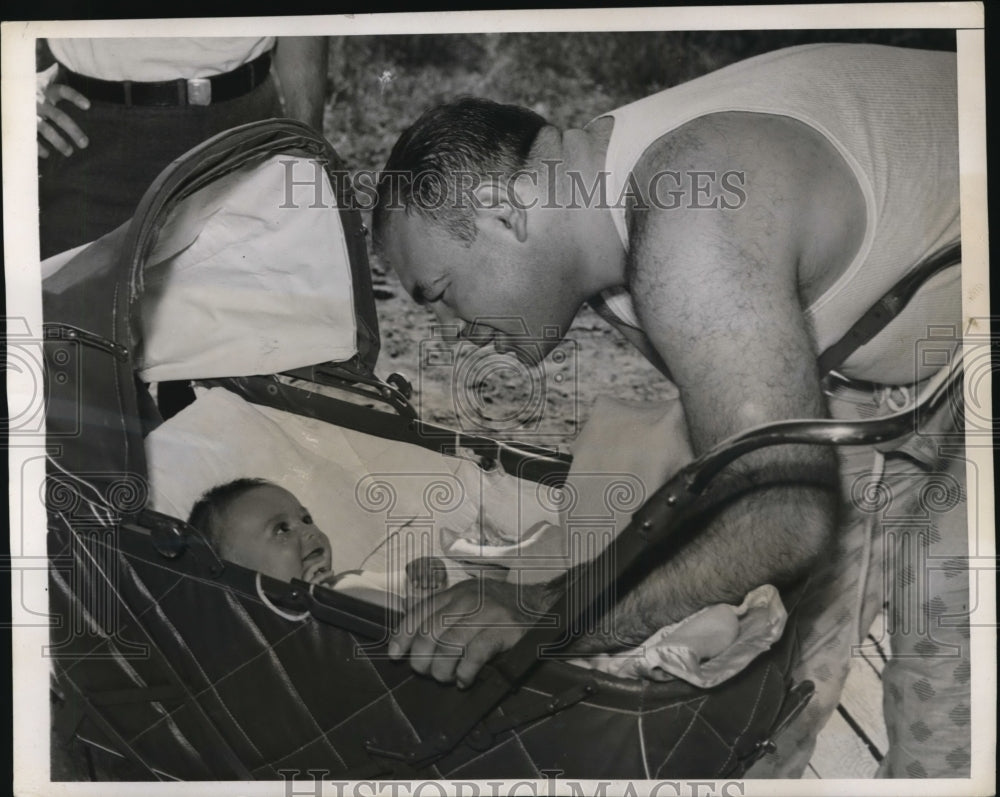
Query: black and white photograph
[(561, 402)]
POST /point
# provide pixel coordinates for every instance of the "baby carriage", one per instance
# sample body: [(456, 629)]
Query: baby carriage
[(193, 668)]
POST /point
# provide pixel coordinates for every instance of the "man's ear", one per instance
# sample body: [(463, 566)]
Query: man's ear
[(502, 205)]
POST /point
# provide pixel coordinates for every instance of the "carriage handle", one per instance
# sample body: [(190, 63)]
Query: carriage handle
[(827, 431), (657, 520)]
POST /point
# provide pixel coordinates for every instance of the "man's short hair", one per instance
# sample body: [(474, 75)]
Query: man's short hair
[(467, 140), (206, 514)]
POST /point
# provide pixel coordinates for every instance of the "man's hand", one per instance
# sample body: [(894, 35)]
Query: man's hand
[(451, 634), (55, 125)]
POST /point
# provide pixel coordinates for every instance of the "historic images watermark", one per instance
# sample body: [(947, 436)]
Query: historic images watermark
[(494, 525), (307, 186), (502, 384), (39, 371), (550, 786)]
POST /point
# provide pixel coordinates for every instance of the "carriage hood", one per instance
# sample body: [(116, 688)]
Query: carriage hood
[(267, 211)]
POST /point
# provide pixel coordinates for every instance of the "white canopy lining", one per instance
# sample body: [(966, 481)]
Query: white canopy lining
[(248, 276), (243, 281)]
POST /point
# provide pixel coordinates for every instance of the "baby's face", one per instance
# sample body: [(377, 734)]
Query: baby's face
[(267, 529)]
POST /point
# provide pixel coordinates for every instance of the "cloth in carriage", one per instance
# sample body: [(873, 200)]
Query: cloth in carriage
[(233, 289)]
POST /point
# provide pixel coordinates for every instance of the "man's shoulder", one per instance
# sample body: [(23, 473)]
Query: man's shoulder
[(769, 181), (728, 139), (730, 164)]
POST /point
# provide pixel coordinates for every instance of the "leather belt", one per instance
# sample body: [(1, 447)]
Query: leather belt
[(172, 93)]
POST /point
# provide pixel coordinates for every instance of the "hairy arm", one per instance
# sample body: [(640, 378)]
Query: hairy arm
[(301, 63), (716, 290)]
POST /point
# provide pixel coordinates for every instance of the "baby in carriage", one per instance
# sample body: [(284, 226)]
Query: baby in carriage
[(257, 524)]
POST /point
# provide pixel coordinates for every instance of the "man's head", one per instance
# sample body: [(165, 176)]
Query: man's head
[(459, 217), (263, 527)]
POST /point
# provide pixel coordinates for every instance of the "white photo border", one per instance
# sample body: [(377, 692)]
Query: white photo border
[(21, 255)]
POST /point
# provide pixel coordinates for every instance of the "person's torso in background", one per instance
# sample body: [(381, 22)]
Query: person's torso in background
[(157, 59)]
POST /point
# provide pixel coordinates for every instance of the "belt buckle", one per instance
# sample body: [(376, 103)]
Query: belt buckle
[(199, 91)]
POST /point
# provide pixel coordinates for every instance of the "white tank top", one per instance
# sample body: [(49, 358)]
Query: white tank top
[(892, 114)]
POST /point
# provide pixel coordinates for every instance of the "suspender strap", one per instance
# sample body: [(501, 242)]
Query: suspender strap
[(888, 307), (866, 327), (632, 334)]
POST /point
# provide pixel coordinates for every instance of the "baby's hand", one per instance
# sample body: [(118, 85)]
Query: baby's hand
[(425, 575)]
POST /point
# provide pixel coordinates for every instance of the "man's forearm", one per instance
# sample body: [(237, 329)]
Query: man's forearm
[(301, 64), (767, 531)]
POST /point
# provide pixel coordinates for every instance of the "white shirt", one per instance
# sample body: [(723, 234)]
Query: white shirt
[(157, 59)]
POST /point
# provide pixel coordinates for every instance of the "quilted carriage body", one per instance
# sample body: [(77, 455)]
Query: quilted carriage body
[(202, 680)]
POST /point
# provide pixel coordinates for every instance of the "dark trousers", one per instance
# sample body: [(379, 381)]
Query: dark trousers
[(96, 189)]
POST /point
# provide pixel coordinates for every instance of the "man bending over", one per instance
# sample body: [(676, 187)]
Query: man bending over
[(734, 227)]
